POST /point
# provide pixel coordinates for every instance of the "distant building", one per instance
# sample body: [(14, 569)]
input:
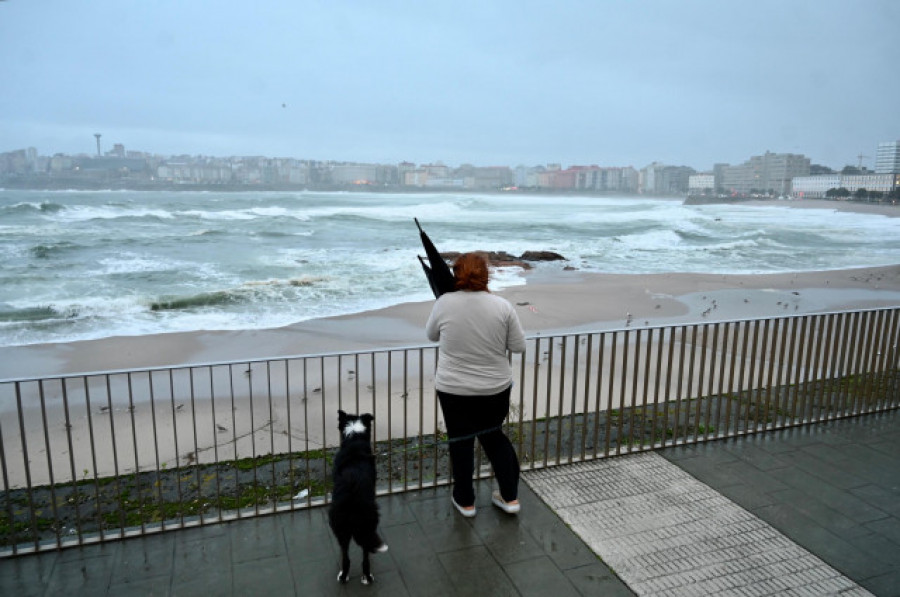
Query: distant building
[(812, 187), (701, 183), (887, 159), (659, 179), (768, 173)]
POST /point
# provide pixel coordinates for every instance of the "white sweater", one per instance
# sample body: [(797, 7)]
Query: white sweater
[(475, 331)]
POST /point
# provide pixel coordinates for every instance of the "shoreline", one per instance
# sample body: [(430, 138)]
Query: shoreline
[(548, 303)]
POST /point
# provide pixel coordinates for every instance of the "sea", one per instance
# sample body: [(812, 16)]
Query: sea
[(78, 265)]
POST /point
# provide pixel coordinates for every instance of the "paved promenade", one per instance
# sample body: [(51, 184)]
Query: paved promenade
[(806, 511)]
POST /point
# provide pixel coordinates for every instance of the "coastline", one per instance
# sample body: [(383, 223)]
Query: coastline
[(548, 303)]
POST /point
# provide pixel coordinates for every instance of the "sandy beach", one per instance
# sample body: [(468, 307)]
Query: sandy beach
[(547, 303)]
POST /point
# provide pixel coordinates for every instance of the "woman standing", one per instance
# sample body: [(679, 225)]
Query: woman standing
[(473, 380)]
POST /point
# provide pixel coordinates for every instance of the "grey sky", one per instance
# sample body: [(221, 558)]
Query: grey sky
[(612, 83)]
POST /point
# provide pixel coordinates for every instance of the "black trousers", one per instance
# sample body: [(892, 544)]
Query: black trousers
[(468, 417)]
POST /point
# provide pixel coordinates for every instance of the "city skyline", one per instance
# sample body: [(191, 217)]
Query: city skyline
[(619, 83)]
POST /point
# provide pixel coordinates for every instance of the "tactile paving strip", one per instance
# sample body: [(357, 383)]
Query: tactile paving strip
[(665, 533)]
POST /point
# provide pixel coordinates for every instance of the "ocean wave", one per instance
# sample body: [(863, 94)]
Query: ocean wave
[(51, 250), (35, 314), (30, 207)]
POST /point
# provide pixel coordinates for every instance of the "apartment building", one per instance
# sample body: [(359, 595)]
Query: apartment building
[(887, 158), (764, 173)]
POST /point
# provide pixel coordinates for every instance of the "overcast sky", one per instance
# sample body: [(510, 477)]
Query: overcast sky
[(612, 83)]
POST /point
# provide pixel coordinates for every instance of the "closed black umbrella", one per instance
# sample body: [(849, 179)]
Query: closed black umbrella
[(436, 270)]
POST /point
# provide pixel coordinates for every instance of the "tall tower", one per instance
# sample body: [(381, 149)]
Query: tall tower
[(887, 160), (98, 143)]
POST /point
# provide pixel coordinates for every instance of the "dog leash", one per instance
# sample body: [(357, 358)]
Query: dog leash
[(473, 435)]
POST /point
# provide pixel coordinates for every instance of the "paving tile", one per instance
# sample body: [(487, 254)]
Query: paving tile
[(540, 577), (597, 579), (473, 572), (87, 576), (26, 576), (421, 568)]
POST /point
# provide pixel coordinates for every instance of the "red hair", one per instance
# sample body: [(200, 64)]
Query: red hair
[(471, 272)]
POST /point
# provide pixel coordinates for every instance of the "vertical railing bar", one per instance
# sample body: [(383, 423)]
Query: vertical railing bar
[(847, 364), (745, 335), (893, 364), (807, 340), (710, 386), (390, 400), (698, 410), (548, 407), (871, 356), (648, 359), (215, 432), (688, 433), (752, 391), (731, 378), (520, 428), (835, 382), (792, 373), (405, 397), (253, 459), (779, 377), (635, 373), (623, 384), (601, 343), (720, 394), (586, 406), (305, 400), (27, 465), (134, 441), (356, 379), (573, 415), (115, 452), (668, 387), (660, 343), (152, 397), (325, 473), (175, 442), (561, 397), (888, 362), (271, 399), (93, 444), (534, 399), (878, 378), (763, 397), (11, 532), (421, 439), (856, 363), (677, 427), (829, 355), (611, 393), (74, 476), (47, 449), (197, 478), (234, 442), (812, 391)]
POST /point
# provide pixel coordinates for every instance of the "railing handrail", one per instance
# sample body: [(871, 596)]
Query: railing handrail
[(410, 347)]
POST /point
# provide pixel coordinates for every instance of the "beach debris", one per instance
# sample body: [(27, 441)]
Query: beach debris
[(104, 409), (179, 407), (303, 493), (221, 428), (316, 390), (523, 304)]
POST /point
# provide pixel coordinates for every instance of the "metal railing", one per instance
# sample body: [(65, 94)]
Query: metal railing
[(108, 455)]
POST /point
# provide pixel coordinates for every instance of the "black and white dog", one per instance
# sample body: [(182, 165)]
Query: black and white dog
[(354, 513)]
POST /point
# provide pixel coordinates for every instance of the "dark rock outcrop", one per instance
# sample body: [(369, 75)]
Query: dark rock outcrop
[(504, 259)]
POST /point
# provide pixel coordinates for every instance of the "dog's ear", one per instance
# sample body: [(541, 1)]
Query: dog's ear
[(367, 419), (342, 416)]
